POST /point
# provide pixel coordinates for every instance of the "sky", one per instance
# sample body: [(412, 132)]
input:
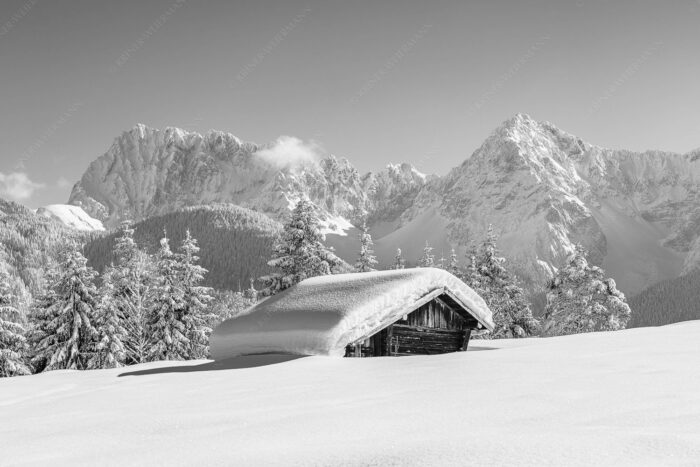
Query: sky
[(374, 81)]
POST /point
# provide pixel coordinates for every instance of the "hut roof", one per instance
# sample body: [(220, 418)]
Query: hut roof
[(321, 315)]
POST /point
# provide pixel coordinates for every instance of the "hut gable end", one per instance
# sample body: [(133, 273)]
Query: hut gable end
[(437, 325)]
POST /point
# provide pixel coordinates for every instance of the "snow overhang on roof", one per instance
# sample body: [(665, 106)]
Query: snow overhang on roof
[(321, 315)]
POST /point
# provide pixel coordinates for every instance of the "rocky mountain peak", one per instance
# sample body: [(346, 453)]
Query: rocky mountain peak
[(149, 171), (543, 189)]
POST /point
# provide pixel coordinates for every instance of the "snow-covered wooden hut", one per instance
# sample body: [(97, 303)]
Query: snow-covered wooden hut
[(398, 312)]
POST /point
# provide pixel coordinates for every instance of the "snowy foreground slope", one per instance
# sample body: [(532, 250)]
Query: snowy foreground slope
[(625, 398)]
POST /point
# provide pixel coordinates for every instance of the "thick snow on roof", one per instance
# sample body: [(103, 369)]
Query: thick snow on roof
[(321, 315)]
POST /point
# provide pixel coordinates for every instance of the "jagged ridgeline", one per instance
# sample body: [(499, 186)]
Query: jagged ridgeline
[(30, 243), (669, 301), (235, 242)]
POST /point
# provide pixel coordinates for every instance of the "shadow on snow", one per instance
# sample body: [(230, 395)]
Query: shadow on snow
[(239, 363), (235, 363)]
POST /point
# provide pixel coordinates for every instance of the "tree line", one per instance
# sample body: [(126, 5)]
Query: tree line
[(153, 306), (144, 307), (579, 297), (236, 241)]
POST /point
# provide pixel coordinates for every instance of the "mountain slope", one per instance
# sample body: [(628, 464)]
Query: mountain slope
[(72, 216), (29, 245), (542, 189), (149, 172), (669, 301)]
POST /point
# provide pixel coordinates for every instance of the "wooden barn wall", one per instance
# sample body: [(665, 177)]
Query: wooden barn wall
[(434, 314), (431, 329)]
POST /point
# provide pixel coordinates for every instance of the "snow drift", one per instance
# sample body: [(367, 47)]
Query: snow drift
[(321, 315), (625, 398)]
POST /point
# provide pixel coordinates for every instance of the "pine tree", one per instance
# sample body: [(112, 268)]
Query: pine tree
[(471, 275), (165, 324), (195, 312), (109, 322), (43, 301), (132, 277), (250, 293), (299, 253), (441, 261), (399, 262), (13, 344), (490, 279), (453, 266), (581, 299), (366, 261), (428, 259), (489, 264), (125, 248), (64, 333)]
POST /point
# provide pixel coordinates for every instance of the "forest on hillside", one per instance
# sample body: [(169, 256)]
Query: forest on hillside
[(235, 242), (29, 244), (127, 286), (667, 302)]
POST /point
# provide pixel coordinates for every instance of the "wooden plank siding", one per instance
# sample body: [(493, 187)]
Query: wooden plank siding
[(434, 327)]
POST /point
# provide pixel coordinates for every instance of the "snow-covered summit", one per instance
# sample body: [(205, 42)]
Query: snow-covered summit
[(149, 171), (543, 189), (321, 315), (72, 216)]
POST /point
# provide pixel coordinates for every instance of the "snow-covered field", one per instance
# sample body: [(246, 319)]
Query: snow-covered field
[(624, 398)]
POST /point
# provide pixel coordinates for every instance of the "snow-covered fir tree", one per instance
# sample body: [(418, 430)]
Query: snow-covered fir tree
[(453, 265), (109, 322), (165, 324), (13, 343), (132, 277), (366, 261), (428, 259), (581, 299), (499, 289), (299, 253), (471, 274), (399, 262), (64, 334), (251, 293), (195, 313), (227, 304), (441, 262)]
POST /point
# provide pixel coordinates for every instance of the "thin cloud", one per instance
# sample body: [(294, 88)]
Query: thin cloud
[(18, 186), (289, 150), (64, 183)]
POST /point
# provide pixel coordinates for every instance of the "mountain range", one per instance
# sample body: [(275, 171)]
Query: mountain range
[(541, 188)]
